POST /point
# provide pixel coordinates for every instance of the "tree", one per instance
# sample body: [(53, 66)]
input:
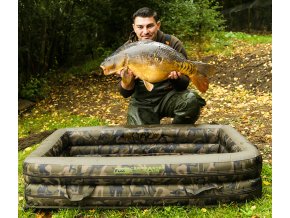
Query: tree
[(193, 20), (62, 33)]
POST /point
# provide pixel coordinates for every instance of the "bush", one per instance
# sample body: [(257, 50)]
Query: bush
[(193, 20), (35, 89)]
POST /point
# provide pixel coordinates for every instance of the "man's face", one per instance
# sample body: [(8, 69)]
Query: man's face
[(146, 28)]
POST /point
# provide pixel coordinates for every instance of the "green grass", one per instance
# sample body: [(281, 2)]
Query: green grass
[(224, 43), (53, 120), (38, 122), (249, 38)]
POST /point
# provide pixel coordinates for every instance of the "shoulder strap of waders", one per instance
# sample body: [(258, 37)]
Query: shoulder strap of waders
[(167, 39)]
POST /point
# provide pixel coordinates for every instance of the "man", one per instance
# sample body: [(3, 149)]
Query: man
[(169, 98)]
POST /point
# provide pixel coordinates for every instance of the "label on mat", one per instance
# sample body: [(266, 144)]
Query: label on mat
[(138, 170)]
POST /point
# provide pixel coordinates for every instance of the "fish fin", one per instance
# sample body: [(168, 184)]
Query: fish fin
[(126, 79), (149, 86)]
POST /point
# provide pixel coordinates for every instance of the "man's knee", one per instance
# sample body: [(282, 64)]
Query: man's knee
[(141, 116), (188, 108), (190, 102)]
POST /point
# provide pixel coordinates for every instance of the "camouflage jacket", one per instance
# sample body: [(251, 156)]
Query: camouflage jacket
[(140, 95)]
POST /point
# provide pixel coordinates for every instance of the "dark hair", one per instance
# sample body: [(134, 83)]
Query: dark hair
[(145, 12)]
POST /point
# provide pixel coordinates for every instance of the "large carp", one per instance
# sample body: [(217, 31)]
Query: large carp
[(153, 61)]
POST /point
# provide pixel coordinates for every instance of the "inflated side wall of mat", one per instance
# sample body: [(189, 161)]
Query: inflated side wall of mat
[(148, 157)]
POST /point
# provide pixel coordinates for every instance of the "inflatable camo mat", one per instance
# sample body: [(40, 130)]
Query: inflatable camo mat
[(124, 166)]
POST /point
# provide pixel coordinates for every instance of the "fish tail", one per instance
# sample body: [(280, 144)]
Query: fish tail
[(201, 82)]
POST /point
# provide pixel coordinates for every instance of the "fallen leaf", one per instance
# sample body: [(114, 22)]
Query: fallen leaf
[(266, 183)]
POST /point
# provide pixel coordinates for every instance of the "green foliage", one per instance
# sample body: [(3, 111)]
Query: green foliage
[(59, 33), (90, 65), (35, 89), (192, 20), (85, 68)]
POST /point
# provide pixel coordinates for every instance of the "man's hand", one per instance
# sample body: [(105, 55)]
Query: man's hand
[(174, 75), (128, 79)]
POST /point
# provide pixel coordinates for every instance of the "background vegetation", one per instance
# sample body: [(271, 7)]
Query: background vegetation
[(64, 33)]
